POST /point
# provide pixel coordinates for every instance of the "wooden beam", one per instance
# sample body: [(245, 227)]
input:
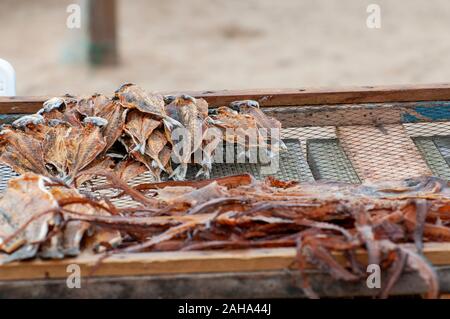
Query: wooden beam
[(283, 97), (165, 263), (101, 32), (258, 284)]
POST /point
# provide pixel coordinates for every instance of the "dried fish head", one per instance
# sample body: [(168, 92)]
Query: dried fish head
[(133, 97), (55, 103), (169, 99), (28, 121), (237, 105)]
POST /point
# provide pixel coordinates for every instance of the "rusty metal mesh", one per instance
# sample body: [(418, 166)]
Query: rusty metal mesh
[(348, 143)]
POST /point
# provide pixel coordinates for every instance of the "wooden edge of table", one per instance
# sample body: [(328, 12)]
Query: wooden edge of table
[(281, 97), (159, 263)]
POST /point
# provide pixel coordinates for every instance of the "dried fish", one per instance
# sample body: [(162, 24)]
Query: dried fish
[(83, 146), (139, 127), (133, 97), (322, 220), (25, 198), (22, 152), (191, 113)]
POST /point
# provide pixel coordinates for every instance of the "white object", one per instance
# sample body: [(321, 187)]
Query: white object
[(7, 79)]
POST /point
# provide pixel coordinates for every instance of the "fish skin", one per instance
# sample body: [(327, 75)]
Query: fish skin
[(133, 97), (155, 144), (129, 169), (103, 164), (54, 147), (24, 198), (190, 195), (139, 126), (164, 160), (191, 113), (115, 115), (83, 146), (229, 120), (22, 152), (262, 120)]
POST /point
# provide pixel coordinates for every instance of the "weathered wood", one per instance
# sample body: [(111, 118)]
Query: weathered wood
[(287, 97), (165, 263), (344, 95), (258, 284), (361, 114), (382, 153), (102, 34)]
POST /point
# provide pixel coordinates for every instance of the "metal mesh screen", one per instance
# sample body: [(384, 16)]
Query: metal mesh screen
[(344, 143)]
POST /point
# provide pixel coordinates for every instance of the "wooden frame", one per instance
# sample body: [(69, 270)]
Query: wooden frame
[(282, 97), (384, 101), (164, 263)]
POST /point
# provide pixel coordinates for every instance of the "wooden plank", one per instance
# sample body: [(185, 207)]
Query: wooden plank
[(101, 32), (382, 153), (159, 263), (361, 114), (258, 284), (340, 95), (433, 112), (284, 97)]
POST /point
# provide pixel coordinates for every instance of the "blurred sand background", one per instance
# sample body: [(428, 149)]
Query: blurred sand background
[(231, 44)]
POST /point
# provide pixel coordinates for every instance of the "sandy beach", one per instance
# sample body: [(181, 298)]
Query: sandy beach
[(200, 45)]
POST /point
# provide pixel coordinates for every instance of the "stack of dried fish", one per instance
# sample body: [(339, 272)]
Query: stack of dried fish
[(72, 138), (320, 219)]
